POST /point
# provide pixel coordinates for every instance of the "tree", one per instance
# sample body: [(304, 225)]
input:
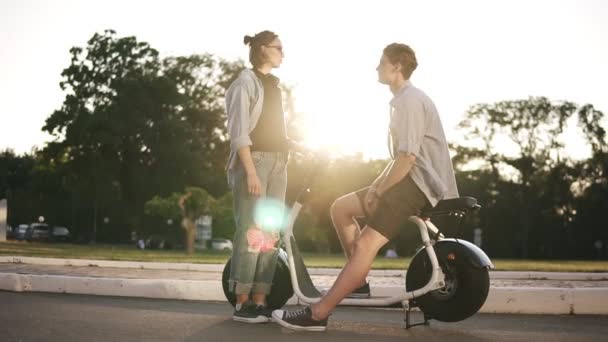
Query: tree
[(133, 125), (535, 183), (16, 174), (188, 206), (224, 225)]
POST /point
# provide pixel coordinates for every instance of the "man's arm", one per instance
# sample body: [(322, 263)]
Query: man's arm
[(410, 127), (372, 195), (399, 168), (381, 177)]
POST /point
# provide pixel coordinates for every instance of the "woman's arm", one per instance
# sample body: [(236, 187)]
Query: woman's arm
[(254, 186), (237, 108)]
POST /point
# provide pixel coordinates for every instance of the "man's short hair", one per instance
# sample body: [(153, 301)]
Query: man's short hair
[(404, 55)]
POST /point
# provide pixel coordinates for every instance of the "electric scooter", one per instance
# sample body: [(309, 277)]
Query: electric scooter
[(447, 279)]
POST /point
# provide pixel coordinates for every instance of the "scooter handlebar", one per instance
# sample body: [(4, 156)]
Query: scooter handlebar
[(319, 161)]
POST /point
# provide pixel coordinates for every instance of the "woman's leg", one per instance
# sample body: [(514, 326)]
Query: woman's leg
[(276, 186), (245, 254)]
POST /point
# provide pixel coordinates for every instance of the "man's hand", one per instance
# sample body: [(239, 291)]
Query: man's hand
[(254, 186), (371, 200)]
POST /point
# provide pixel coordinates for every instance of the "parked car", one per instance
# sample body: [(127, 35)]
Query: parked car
[(10, 233), (19, 233), (60, 234), (221, 244), (37, 232), (157, 242)]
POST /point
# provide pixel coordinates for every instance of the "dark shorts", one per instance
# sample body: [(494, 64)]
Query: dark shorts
[(395, 206)]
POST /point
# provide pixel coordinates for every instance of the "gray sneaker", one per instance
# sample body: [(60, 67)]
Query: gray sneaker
[(300, 320), (249, 312), (361, 292)]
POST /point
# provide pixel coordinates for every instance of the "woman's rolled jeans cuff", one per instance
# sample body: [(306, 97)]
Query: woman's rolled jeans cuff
[(245, 289)]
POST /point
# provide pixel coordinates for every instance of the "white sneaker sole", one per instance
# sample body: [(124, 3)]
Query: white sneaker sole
[(277, 316), (259, 319), (359, 295), (352, 295)]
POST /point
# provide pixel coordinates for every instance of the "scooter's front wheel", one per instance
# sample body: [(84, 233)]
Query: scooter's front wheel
[(281, 289), (466, 285)]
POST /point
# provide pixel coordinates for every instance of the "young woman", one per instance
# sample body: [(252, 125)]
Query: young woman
[(256, 172)]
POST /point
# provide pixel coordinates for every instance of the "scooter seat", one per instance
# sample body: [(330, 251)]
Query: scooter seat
[(452, 204)]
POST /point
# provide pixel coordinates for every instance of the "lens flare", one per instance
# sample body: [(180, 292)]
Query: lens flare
[(270, 215)]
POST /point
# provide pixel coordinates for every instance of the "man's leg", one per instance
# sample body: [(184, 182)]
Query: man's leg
[(343, 212), (314, 318), (355, 271)]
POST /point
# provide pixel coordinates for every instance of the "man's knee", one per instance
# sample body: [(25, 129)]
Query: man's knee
[(370, 241), (337, 208)]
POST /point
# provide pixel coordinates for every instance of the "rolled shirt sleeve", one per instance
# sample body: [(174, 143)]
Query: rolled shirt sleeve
[(416, 128), (409, 124), (238, 108)]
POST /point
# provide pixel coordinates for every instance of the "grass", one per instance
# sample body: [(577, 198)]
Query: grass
[(129, 253), (109, 252)]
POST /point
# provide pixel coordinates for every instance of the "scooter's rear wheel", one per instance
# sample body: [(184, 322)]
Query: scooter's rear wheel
[(280, 292), (465, 291)]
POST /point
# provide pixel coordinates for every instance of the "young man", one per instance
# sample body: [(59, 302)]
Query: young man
[(419, 175)]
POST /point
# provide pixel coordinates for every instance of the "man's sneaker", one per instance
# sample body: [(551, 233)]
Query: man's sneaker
[(362, 292), (248, 312), (300, 320)]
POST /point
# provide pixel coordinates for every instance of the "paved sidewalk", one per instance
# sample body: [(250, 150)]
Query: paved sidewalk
[(510, 292)]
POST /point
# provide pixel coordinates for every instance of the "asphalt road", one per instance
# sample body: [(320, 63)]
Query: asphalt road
[(63, 317)]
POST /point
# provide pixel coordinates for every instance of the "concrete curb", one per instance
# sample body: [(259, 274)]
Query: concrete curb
[(511, 300), (518, 300), (114, 264), (582, 276), (206, 290)]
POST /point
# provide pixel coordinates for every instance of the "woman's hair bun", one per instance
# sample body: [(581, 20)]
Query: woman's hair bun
[(247, 40)]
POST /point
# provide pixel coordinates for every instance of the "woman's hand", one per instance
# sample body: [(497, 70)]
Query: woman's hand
[(254, 186), (299, 147)]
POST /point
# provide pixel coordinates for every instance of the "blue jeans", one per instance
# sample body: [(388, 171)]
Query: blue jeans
[(254, 254)]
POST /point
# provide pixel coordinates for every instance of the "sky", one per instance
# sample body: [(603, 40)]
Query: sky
[(468, 52)]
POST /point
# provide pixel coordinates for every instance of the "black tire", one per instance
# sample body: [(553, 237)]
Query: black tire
[(280, 292), (466, 289)]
